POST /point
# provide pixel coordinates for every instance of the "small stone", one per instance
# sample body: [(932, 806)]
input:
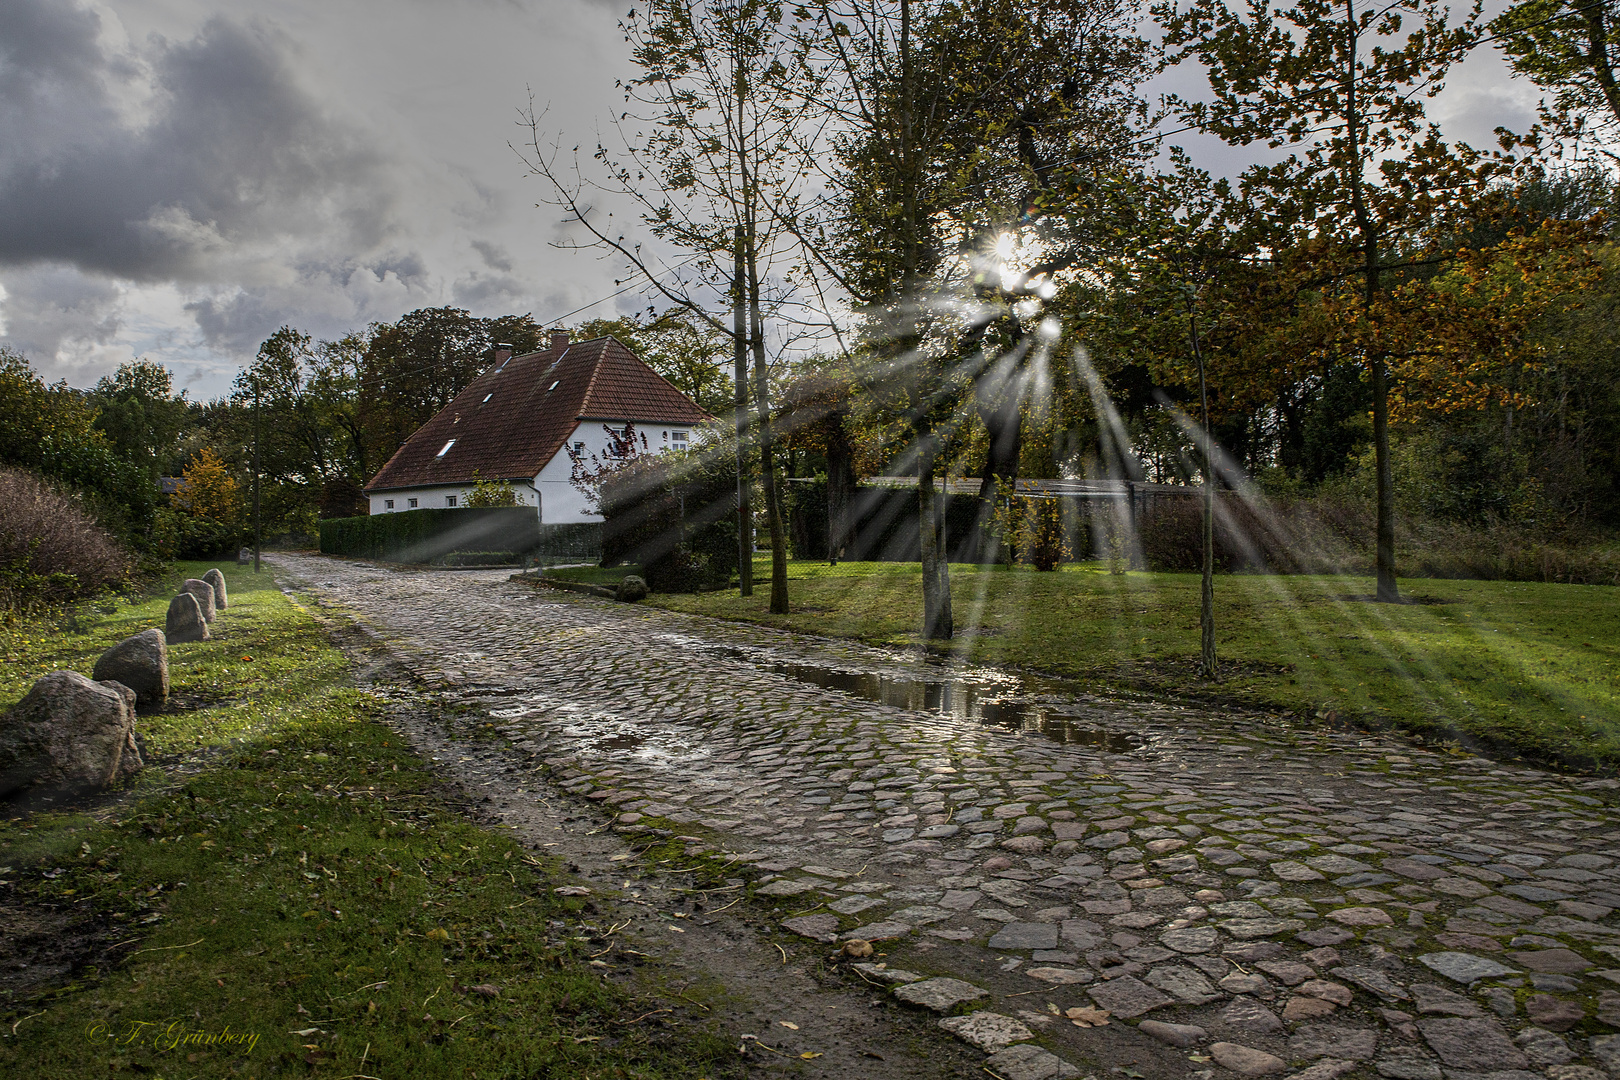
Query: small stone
[(1028, 1062), (1464, 967), (1026, 845), (1287, 972), (939, 832), (1326, 1069), (1241, 983), (1434, 1000), (141, 663), (879, 931), (1543, 1047), (1247, 1014), (1361, 916), (204, 594), (1554, 1014), (1294, 871), (1190, 939), (987, 1030), (1305, 1008), (1180, 1035), (1187, 986), (787, 887), (1062, 976), (1336, 864), (854, 903), (1326, 937), (1246, 1060), (1259, 928), (1026, 935), (216, 581), (1127, 996), (885, 974), (1330, 1040), (1417, 871), (1025, 826), (184, 621), (1337, 993), (1472, 1044), (815, 927), (940, 995), (1250, 952), (1558, 961), (1373, 981), (1575, 1072), (1410, 1067)]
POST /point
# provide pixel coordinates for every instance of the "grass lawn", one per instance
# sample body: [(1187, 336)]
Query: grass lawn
[(288, 891), (1522, 667)]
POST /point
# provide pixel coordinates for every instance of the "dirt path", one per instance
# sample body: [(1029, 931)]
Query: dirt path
[(1230, 893)]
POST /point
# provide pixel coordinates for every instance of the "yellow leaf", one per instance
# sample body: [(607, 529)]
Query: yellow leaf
[(809, 1054), (438, 933), (788, 1024)]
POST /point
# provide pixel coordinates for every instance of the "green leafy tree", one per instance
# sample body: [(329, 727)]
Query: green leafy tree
[(1569, 48)]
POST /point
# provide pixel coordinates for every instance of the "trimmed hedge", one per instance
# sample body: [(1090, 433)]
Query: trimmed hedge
[(884, 524), (420, 536)]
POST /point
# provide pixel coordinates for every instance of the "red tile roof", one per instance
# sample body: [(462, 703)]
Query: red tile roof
[(533, 404)]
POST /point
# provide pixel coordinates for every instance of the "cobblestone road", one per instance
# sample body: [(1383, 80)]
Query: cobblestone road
[(1156, 890)]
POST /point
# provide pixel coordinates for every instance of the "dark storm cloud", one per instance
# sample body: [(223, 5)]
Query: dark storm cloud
[(168, 161)]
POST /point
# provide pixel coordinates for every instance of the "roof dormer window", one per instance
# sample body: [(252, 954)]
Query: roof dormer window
[(445, 449)]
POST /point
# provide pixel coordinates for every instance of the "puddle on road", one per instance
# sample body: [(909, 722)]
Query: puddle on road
[(981, 699)]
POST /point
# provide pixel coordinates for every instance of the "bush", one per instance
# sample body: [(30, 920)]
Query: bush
[(675, 516), (1284, 538), (50, 549)]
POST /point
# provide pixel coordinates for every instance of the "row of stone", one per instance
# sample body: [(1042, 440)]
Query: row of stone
[(72, 734)]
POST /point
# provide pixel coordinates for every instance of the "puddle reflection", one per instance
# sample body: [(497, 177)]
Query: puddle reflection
[(980, 699)]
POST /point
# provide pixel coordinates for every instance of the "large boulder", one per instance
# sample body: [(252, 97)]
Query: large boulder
[(204, 593), (631, 589), (185, 620), (140, 663), (69, 733), (217, 580)]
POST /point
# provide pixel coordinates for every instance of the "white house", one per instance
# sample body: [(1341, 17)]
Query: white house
[(518, 419)]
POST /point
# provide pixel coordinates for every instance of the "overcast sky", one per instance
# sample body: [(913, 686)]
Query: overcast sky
[(178, 178)]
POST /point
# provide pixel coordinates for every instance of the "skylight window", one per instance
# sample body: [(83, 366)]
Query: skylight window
[(445, 449), (487, 396), (553, 386)]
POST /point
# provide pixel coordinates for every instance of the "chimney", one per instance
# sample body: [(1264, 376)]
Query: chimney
[(503, 353), (559, 339)]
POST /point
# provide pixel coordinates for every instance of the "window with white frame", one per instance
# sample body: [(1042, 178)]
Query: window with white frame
[(388, 503), (678, 438), (449, 500), (445, 449), (411, 503)]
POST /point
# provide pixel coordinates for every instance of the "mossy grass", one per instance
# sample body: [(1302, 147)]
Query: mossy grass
[(1515, 668), (290, 891)]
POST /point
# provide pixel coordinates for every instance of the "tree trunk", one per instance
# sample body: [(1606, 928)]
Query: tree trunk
[(739, 360), (936, 582), (840, 489), (767, 445), (1388, 591), (1208, 668)]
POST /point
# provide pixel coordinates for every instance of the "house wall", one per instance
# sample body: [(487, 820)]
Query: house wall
[(561, 503), (433, 497)]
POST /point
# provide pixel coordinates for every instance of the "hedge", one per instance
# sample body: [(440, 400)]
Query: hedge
[(420, 536)]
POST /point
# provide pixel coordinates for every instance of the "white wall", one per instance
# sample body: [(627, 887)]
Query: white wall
[(561, 503), (433, 497)]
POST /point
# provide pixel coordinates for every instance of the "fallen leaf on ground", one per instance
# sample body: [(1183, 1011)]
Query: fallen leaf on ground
[(855, 947), (808, 1054), (487, 989), (1089, 1016), (788, 1024)]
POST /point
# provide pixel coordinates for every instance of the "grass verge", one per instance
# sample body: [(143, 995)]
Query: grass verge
[(289, 891), (1517, 667)]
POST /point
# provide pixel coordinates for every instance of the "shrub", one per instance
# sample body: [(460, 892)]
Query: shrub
[(675, 516), (50, 548)]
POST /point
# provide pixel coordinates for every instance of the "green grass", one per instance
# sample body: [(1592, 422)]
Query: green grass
[(1525, 668), (289, 873), (593, 575)]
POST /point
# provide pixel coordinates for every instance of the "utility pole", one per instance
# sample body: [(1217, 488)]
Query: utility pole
[(255, 473)]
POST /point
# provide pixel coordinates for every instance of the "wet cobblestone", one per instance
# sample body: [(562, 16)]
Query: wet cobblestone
[(1318, 904)]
